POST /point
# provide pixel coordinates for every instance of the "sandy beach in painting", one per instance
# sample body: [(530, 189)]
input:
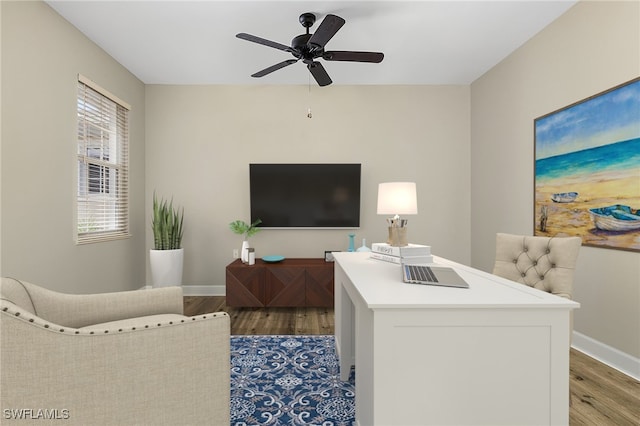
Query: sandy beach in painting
[(593, 148), (595, 191)]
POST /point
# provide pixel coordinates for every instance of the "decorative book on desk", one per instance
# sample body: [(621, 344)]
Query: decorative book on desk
[(411, 254)]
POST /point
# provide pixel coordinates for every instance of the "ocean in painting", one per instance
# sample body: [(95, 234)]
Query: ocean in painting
[(620, 157), (602, 176)]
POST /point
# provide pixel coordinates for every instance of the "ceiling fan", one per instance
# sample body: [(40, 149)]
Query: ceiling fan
[(309, 47)]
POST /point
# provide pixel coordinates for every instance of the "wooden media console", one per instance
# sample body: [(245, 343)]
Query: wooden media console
[(288, 283)]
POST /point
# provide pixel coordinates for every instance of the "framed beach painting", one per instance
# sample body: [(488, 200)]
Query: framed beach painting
[(587, 170)]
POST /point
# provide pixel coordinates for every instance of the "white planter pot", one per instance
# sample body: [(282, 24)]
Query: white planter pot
[(244, 252), (166, 267)]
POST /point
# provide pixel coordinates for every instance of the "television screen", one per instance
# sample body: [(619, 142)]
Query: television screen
[(305, 195)]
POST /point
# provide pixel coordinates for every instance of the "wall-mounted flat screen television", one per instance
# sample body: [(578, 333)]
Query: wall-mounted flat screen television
[(305, 195)]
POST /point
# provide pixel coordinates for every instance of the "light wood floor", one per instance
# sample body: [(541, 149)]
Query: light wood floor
[(600, 395)]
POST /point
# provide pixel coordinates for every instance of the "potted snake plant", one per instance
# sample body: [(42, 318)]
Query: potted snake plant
[(167, 256)]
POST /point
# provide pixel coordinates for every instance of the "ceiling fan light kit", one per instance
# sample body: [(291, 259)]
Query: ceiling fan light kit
[(309, 47)]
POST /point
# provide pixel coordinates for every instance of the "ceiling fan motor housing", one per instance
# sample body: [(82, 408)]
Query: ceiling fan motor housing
[(304, 50)]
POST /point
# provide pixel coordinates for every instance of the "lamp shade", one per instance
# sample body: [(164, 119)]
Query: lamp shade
[(397, 198)]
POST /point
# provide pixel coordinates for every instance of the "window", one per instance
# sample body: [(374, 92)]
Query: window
[(103, 163)]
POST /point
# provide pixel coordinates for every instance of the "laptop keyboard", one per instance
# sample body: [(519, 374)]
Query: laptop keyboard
[(420, 273)]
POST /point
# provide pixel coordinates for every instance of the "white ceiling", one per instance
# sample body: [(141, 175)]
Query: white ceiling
[(424, 42)]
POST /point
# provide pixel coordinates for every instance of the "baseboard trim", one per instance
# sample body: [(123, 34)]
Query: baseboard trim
[(204, 290), (606, 354), (198, 290)]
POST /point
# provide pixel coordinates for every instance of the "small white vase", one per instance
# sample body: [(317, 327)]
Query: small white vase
[(244, 252), (166, 267)]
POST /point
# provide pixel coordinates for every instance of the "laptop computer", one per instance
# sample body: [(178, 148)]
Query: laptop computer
[(432, 275)]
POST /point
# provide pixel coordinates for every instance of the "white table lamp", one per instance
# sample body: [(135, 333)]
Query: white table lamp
[(397, 198)]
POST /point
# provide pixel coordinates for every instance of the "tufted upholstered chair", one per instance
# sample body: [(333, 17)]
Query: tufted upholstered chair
[(125, 358), (545, 263)]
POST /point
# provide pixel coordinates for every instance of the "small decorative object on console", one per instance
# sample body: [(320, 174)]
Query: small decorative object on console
[(273, 258), (241, 227)]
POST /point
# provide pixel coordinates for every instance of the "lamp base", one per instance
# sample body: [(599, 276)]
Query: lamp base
[(397, 236)]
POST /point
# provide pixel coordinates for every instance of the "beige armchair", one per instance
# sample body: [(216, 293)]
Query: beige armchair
[(545, 263), (125, 358)]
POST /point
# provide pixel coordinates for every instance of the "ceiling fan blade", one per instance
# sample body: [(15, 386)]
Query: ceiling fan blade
[(327, 29), (263, 41), (275, 67), (319, 73), (343, 55)]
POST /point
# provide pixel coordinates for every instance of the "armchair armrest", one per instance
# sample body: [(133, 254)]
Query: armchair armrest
[(80, 310), (171, 373)]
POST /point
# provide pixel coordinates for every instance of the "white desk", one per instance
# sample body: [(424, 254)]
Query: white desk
[(494, 354)]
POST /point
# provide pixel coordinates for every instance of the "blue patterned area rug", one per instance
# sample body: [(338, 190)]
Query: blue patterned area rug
[(288, 380)]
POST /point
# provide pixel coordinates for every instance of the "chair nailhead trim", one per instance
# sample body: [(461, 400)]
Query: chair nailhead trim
[(62, 330)]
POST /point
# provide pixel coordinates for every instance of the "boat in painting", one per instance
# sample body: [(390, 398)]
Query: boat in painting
[(616, 218), (564, 197)]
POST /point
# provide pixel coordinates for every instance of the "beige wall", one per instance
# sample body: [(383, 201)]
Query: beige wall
[(42, 55), (591, 48), (200, 141)]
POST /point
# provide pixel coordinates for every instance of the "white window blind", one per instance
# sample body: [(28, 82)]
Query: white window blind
[(103, 165)]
